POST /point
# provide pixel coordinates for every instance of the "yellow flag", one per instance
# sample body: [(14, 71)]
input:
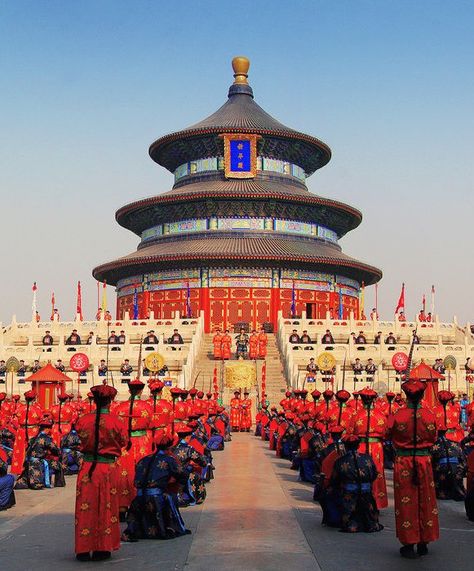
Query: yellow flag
[(104, 297)]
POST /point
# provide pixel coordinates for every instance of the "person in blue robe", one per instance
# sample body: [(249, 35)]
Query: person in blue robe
[(352, 477), (71, 455), (154, 513), (42, 463), (7, 483)]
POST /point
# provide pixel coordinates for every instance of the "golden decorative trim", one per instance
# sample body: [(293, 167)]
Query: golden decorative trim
[(229, 173)]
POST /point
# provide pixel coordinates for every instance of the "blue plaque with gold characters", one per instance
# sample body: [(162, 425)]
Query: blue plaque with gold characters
[(240, 155)]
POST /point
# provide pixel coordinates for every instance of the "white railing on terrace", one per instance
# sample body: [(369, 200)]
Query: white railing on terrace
[(24, 341), (437, 341), (185, 380)]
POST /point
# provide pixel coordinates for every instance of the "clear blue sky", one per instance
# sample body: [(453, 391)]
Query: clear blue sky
[(86, 86)]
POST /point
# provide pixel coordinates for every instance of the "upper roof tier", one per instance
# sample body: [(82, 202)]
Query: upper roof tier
[(240, 114)]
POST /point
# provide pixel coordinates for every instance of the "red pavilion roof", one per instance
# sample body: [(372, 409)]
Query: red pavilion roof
[(424, 372), (48, 373)]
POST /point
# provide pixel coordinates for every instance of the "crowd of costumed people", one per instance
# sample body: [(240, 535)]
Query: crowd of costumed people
[(343, 445), (139, 462)]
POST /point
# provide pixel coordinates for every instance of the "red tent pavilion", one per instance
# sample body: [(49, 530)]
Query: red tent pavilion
[(48, 382)]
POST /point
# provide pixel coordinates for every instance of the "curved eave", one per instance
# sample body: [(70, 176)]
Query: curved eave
[(289, 252), (125, 215), (157, 148)]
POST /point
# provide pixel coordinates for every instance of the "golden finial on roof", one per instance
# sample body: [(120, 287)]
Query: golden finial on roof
[(240, 65)]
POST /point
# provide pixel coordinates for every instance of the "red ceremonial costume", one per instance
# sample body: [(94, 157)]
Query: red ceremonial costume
[(97, 501), (340, 414), (226, 346), (245, 414), (253, 346), (235, 413), (371, 426), (162, 416), (217, 342), (262, 345), (29, 416), (416, 511), (448, 414), (139, 444), (63, 415)]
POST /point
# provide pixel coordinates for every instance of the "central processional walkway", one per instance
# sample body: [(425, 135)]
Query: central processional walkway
[(247, 520)]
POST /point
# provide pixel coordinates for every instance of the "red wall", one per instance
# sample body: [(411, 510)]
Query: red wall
[(225, 306)]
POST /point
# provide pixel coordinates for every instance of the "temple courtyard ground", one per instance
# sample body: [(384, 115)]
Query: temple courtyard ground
[(256, 516)]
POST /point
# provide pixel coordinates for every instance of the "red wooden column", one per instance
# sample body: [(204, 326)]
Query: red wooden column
[(205, 305), (274, 307)]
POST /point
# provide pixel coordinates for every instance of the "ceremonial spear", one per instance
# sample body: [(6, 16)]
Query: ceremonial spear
[(414, 476)]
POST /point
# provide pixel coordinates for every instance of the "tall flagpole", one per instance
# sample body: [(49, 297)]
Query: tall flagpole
[(33, 304), (432, 301), (79, 301), (377, 299), (104, 297)]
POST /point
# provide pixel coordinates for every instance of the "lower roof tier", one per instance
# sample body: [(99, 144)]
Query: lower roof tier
[(228, 248)]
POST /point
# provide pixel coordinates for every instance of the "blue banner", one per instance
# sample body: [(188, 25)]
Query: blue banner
[(135, 304), (240, 155), (293, 301), (189, 311)]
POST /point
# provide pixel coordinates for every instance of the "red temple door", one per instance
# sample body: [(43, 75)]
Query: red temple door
[(261, 313), (217, 314), (232, 313)]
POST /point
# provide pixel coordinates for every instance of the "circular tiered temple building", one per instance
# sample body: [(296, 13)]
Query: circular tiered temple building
[(239, 236)]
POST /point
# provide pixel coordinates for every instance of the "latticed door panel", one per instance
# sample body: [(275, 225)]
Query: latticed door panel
[(233, 313), (217, 314), (262, 313)]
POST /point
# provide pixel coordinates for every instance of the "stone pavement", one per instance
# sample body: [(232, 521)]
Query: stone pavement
[(256, 516)]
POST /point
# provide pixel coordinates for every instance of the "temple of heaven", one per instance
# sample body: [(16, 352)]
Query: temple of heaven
[(239, 236)]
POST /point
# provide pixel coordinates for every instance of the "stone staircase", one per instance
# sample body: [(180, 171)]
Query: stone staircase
[(275, 383)]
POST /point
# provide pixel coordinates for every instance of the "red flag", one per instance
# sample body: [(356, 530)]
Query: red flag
[(79, 301), (145, 314), (423, 302), (34, 286), (401, 301)]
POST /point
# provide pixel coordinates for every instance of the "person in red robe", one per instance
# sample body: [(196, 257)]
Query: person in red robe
[(340, 413), (162, 411), (235, 412), (103, 435), (285, 403), (273, 427), (246, 413), (226, 345), (217, 343), (63, 415), (413, 435), (448, 414), (137, 414), (199, 405), (29, 416), (370, 425), (253, 345), (262, 344)]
